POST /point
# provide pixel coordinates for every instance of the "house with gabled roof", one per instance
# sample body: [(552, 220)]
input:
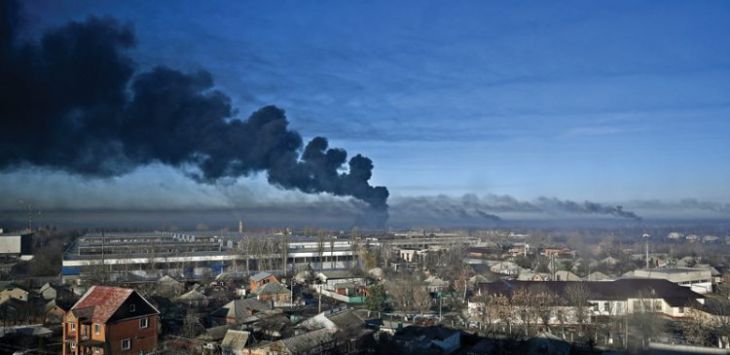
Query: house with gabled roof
[(260, 279), (275, 293), (110, 320), (236, 311)]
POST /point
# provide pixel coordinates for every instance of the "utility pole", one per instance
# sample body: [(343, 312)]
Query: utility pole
[(103, 268), (646, 246), (291, 293), (319, 302)]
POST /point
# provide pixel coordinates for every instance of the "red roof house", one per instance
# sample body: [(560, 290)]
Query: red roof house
[(110, 320)]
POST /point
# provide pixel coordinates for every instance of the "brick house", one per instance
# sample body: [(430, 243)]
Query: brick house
[(260, 279), (110, 320)]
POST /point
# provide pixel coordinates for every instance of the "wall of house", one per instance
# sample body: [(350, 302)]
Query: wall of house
[(608, 308), (254, 285), (142, 339), (330, 284)]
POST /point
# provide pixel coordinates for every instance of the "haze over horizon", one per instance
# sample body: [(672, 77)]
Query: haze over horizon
[(471, 111)]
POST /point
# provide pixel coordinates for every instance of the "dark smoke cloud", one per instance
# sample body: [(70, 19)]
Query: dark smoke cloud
[(441, 211), (475, 209), (587, 207), (73, 102)]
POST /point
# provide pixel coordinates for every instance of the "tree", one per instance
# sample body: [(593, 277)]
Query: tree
[(544, 301), (577, 296), (695, 330), (191, 324), (719, 324), (320, 250), (422, 300), (522, 301), (376, 298), (408, 294), (645, 321)]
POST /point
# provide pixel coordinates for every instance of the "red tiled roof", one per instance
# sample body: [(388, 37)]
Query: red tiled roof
[(101, 302)]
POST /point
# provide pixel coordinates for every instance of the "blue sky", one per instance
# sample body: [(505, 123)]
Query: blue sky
[(607, 101)]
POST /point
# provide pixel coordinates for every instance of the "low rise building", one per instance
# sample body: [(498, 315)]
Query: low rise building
[(699, 280), (603, 298), (16, 245), (110, 320), (260, 279)]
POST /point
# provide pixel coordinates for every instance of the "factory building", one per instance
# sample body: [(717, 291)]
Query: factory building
[(148, 256)]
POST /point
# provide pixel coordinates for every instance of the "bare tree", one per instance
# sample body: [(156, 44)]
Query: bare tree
[(285, 253), (645, 321), (333, 262), (718, 309), (544, 300), (577, 296), (522, 302), (422, 300), (695, 329), (408, 294), (320, 249)]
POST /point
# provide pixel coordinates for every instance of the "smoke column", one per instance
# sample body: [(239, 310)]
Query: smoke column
[(73, 102)]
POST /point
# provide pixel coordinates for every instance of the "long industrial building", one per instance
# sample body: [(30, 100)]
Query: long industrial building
[(194, 255), (147, 256)]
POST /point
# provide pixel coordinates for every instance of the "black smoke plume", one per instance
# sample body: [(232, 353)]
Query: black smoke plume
[(73, 102), (484, 210), (586, 207)]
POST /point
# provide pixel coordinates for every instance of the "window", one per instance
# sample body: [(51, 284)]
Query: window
[(681, 309), (73, 327), (144, 323), (126, 344), (97, 329), (606, 307), (132, 308), (658, 305)]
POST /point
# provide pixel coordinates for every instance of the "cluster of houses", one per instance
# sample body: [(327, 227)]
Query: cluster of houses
[(259, 314), (326, 311)]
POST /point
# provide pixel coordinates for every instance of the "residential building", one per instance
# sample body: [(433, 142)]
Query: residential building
[(260, 279), (699, 280), (332, 278), (564, 275), (320, 341), (13, 291), (427, 340), (110, 320), (558, 252), (606, 298), (276, 293), (234, 343), (236, 311)]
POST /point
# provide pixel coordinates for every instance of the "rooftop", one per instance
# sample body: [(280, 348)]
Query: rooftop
[(101, 302), (621, 289)]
